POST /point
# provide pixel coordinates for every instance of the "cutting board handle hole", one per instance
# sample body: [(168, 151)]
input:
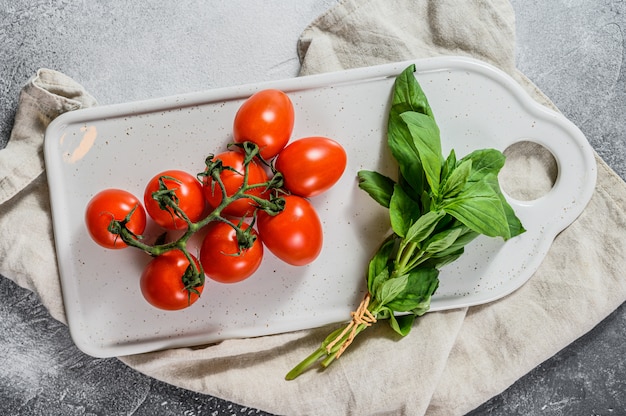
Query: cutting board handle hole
[(530, 171)]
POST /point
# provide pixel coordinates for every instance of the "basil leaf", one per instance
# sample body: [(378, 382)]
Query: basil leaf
[(420, 285), (449, 164), (378, 269), (440, 261), (384, 313), (403, 210), (402, 324), (515, 225), (480, 208), (466, 236), (374, 284), (484, 162), (410, 190), (427, 202), (457, 179), (424, 226), (388, 290), (425, 134), (408, 94), (454, 251), (377, 185), (400, 143), (441, 241)]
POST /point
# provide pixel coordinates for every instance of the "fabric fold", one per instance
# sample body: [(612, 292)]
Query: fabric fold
[(357, 33), (27, 253), (47, 94)]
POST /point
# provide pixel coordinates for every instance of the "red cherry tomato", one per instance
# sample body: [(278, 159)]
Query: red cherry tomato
[(162, 282), (266, 119), (295, 234), (221, 257), (311, 165), (112, 204), (189, 195), (233, 181)]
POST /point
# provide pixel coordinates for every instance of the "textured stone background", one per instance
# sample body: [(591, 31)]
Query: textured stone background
[(122, 51)]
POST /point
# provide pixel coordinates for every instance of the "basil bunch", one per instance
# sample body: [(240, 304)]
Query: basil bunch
[(436, 207)]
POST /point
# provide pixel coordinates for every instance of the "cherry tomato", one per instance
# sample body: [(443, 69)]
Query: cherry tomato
[(162, 282), (295, 234), (233, 181), (112, 204), (311, 165), (266, 119), (221, 257), (189, 195)]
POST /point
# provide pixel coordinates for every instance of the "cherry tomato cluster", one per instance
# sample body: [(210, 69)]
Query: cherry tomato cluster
[(253, 195)]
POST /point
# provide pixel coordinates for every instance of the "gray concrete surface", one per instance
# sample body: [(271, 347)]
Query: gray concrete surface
[(122, 51)]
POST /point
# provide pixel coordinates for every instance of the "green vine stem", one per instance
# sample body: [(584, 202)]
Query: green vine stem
[(167, 200)]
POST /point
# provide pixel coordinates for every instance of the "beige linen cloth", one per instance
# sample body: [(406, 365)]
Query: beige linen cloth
[(452, 361)]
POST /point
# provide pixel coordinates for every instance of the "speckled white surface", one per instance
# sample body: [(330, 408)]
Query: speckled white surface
[(100, 287), (123, 51)]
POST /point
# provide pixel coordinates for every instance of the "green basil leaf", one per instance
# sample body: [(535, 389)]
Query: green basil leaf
[(449, 165), (454, 251), (403, 210), (408, 94), (427, 202), (424, 226), (391, 288), (480, 208), (400, 143), (484, 162), (425, 134), (440, 260), (378, 269), (441, 241), (466, 235), (375, 282), (420, 285), (448, 221), (410, 190), (515, 225), (402, 324), (457, 179), (377, 185), (422, 308)]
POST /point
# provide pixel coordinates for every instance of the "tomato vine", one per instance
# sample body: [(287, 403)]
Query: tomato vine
[(166, 198)]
